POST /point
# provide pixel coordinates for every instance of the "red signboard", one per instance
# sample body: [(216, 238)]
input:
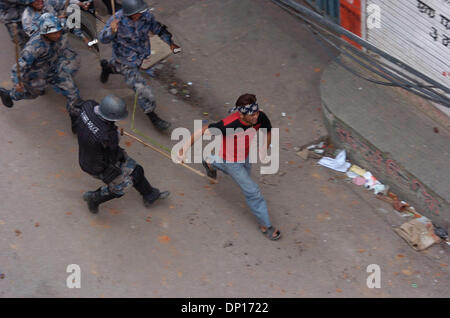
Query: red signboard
[(350, 11)]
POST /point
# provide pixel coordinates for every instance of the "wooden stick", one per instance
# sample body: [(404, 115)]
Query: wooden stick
[(66, 5), (122, 132), (113, 6), (16, 42)]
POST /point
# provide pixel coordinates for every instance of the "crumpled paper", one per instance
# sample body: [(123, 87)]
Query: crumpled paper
[(338, 164), (419, 233)]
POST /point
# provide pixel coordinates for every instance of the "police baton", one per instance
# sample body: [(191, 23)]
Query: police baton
[(122, 132), (64, 9), (113, 6)]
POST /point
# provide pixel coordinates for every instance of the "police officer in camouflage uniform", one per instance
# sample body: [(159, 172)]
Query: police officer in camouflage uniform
[(128, 30), (11, 14), (31, 15), (30, 23), (44, 62), (101, 157)]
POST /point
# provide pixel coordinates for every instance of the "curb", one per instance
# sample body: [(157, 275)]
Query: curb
[(384, 165)]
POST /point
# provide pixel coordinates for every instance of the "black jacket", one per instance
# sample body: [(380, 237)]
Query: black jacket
[(98, 141)]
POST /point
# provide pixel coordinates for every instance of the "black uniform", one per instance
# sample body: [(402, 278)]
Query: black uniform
[(101, 156)]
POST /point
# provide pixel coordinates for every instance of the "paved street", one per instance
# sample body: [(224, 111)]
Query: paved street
[(202, 241)]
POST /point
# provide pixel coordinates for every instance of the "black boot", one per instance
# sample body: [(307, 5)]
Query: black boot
[(106, 70), (141, 184), (148, 201), (158, 122), (6, 99), (73, 121), (95, 198)]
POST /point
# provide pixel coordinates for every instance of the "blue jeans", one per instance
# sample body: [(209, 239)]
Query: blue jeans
[(241, 174)]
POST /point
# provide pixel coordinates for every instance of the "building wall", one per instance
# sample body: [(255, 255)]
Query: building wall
[(417, 32)]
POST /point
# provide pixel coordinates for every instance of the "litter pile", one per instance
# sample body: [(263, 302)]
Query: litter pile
[(316, 150), (419, 232)]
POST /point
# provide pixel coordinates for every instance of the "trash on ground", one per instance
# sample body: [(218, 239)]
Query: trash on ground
[(392, 196), (441, 232), (174, 91), (400, 206), (351, 174), (283, 114), (418, 233), (381, 189), (303, 154), (358, 170), (313, 155), (338, 164), (371, 181), (359, 181)]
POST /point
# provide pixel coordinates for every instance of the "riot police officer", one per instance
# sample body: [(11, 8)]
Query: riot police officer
[(128, 31), (10, 14), (45, 61), (101, 156)]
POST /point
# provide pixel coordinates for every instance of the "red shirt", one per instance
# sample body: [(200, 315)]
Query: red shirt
[(236, 145)]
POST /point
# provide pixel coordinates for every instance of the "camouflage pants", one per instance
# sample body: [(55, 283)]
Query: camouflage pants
[(69, 62), (35, 83), (122, 183), (22, 37), (135, 81)]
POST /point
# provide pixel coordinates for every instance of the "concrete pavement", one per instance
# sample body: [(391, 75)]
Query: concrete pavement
[(202, 241)]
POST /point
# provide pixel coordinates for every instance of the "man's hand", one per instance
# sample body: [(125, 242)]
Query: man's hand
[(84, 5), (86, 40), (114, 26), (175, 48), (20, 88)]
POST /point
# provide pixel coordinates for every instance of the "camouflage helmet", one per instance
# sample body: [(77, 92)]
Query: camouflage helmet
[(26, 2), (112, 108), (131, 7), (49, 23)]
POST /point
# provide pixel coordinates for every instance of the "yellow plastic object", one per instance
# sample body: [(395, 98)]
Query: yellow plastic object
[(358, 170)]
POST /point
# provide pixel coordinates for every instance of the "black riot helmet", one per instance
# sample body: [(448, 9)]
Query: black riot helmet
[(112, 108), (131, 7)]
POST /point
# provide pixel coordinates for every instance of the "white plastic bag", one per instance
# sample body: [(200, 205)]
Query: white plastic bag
[(338, 164)]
